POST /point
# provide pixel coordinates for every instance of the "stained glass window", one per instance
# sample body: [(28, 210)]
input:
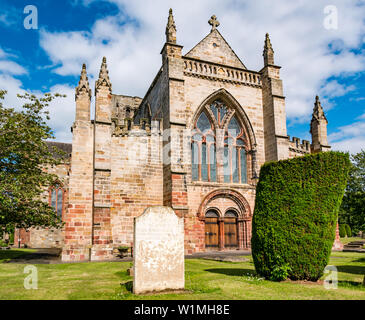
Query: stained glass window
[(204, 146)]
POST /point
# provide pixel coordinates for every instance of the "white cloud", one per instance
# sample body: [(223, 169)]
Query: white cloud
[(13, 87), (8, 66), (11, 67), (334, 89), (349, 138), (62, 112), (352, 145)]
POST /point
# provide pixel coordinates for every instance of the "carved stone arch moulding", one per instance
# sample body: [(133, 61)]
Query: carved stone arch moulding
[(230, 101), (239, 199)]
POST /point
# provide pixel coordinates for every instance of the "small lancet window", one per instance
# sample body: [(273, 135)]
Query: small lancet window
[(57, 199)]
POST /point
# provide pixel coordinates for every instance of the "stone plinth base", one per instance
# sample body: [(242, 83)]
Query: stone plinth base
[(337, 245), (95, 253), (99, 252), (71, 254)]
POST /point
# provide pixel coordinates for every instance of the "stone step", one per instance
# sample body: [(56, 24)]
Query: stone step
[(353, 250), (357, 242), (353, 246)]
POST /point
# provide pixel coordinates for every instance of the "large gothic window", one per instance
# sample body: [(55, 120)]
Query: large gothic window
[(204, 150), (233, 144)]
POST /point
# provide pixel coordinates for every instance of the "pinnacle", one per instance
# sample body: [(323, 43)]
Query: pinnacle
[(170, 28), (83, 83), (267, 42), (103, 77), (318, 111)]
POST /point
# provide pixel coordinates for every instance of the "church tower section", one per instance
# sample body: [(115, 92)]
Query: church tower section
[(78, 218), (319, 128), (101, 231), (276, 139), (174, 122)]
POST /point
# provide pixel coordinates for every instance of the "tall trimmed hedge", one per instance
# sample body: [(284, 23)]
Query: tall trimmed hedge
[(342, 231), (294, 221), (348, 230)]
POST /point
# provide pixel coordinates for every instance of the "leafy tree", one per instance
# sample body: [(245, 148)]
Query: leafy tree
[(352, 210), (24, 159)]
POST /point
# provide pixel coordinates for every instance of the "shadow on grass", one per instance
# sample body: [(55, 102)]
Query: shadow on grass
[(350, 284), (360, 260), (233, 272), (352, 269), (38, 256), (11, 254), (128, 286)]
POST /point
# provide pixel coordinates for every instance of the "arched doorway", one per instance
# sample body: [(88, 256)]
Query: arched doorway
[(211, 230), (230, 230), (227, 216)]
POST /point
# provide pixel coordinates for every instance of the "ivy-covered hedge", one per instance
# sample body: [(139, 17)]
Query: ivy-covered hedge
[(294, 221)]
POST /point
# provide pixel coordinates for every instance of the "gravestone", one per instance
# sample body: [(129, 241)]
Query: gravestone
[(158, 257)]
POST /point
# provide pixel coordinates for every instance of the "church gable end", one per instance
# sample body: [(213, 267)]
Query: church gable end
[(214, 48)]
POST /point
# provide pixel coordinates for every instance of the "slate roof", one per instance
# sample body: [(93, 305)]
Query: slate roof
[(65, 147)]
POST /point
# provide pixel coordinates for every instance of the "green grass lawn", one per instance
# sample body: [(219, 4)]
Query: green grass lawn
[(204, 279)]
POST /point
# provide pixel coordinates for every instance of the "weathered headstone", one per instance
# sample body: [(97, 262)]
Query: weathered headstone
[(158, 257)]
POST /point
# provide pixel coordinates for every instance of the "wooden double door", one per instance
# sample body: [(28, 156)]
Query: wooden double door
[(230, 232), (213, 232)]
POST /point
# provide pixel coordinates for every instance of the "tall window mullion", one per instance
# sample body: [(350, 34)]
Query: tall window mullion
[(195, 160), (204, 138), (235, 155), (204, 164), (235, 170), (243, 165)]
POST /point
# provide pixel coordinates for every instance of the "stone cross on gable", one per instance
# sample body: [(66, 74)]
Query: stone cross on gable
[(214, 22)]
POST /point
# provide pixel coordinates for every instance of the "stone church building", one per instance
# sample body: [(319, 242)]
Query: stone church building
[(195, 142)]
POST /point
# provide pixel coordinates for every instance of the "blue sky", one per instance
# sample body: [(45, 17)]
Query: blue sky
[(314, 59)]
